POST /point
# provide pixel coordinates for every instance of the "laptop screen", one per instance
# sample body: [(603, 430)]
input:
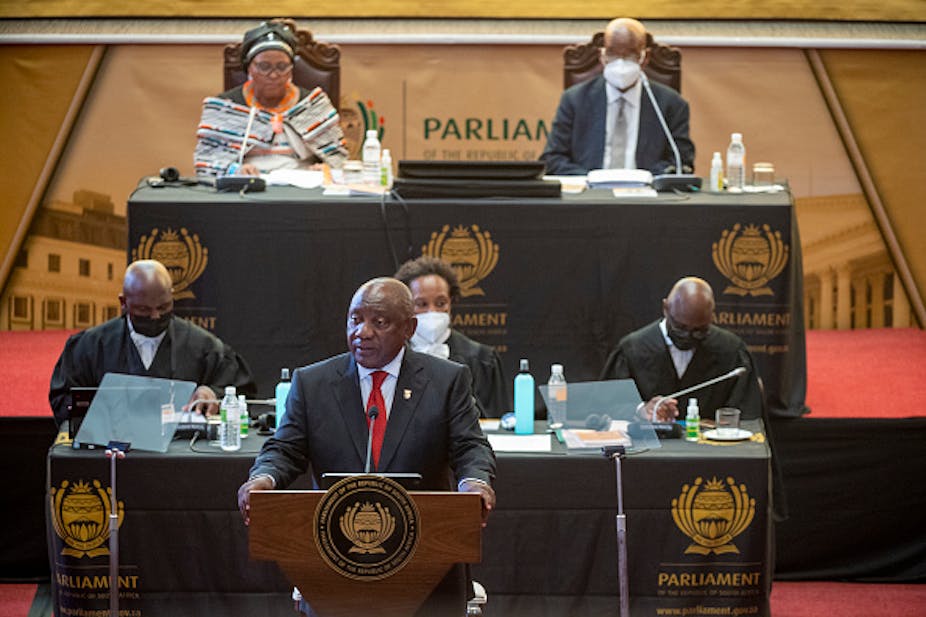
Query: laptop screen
[(143, 411)]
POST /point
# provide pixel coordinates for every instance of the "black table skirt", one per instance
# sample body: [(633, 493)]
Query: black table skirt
[(551, 280)]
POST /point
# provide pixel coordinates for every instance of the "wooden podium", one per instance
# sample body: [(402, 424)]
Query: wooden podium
[(282, 530)]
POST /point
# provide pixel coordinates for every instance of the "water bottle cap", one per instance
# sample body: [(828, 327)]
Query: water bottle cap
[(241, 398), (556, 368), (736, 136), (386, 153), (524, 365), (717, 155), (230, 390), (371, 133), (692, 402), (284, 374)]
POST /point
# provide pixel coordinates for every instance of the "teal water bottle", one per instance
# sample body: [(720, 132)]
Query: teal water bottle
[(524, 400), (282, 391)]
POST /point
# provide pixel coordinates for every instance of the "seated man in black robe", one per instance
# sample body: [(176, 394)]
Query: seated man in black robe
[(146, 340), (684, 349)]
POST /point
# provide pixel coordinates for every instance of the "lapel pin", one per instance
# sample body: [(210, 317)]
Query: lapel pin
[(406, 394)]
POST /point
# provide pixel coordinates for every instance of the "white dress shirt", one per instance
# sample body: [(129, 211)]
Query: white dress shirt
[(147, 346), (388, 387), (680, 358)]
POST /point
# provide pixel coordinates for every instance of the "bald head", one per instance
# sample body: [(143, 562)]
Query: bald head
[(387, 292), (147, 296), (146, 273), (690, 304), (624, 38)]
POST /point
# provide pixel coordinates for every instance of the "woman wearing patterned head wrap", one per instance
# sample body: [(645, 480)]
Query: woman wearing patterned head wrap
[(286, 126)]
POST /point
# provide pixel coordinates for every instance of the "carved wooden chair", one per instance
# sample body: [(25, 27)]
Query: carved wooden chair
[(581, 62), (315, 64)]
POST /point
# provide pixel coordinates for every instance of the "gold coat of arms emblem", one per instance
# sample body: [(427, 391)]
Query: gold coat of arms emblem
[(80, 515), (366, 527), (470, 251), (181, 253), (750, 257), (712, 514)]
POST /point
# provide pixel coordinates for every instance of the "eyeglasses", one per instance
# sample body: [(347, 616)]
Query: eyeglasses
[(607, 58), (698, 334), (267, 68)]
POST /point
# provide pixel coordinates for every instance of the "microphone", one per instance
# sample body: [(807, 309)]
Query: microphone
[(373, 413), (678, 180), (740, 370)]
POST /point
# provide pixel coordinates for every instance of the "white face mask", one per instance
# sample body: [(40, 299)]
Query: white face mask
[(622, 73), (432, 332)]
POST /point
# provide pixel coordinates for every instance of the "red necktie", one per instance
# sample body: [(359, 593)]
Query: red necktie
[(376, 400)]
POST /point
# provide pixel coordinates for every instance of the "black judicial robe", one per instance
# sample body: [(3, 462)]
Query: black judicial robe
[(187, 352), (486, 368), (644, 357)]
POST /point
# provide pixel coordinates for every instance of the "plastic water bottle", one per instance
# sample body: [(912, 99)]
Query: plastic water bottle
[(692, 421), (716, 185), (282, 391), (386, 169), (230, 431), (736, 163), (244, 416), (371, 159), (557, 392), (524, 400)]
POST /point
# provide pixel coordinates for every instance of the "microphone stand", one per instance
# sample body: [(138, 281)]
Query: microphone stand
[(677, 181), (616, 453), (114, 451), (710, 382), (373, 414)]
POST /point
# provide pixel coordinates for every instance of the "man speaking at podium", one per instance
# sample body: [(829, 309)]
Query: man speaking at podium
[(609, 122), (428, 422)]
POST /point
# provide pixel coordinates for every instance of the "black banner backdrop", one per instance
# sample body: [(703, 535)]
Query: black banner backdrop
[(698, 518), (555, 280)]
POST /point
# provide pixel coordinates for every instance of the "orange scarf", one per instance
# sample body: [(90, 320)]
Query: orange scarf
[(289, 99)]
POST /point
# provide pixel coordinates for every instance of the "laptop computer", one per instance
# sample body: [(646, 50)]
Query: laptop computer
[(141, 411)]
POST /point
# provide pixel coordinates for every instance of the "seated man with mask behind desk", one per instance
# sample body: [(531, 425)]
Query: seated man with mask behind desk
[(147, 340), (684, 349), (609, 122)]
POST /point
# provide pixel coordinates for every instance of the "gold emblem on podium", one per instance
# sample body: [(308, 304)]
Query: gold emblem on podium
[(469, 250), (80, 515), (750, 258), (182, 254), (366, 527), (712, 514)]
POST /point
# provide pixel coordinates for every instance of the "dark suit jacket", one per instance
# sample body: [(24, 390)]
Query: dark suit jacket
[(433, 432), (643, 356), (575, 144), (486, 367)]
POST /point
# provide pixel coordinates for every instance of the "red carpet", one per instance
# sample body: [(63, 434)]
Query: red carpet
[(850, 373), (819, 599), (26, 362), (15, 600), (866, 373), (816, 599)]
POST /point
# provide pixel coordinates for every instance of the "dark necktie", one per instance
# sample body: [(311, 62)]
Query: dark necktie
[(619, 137), (379, 426)]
